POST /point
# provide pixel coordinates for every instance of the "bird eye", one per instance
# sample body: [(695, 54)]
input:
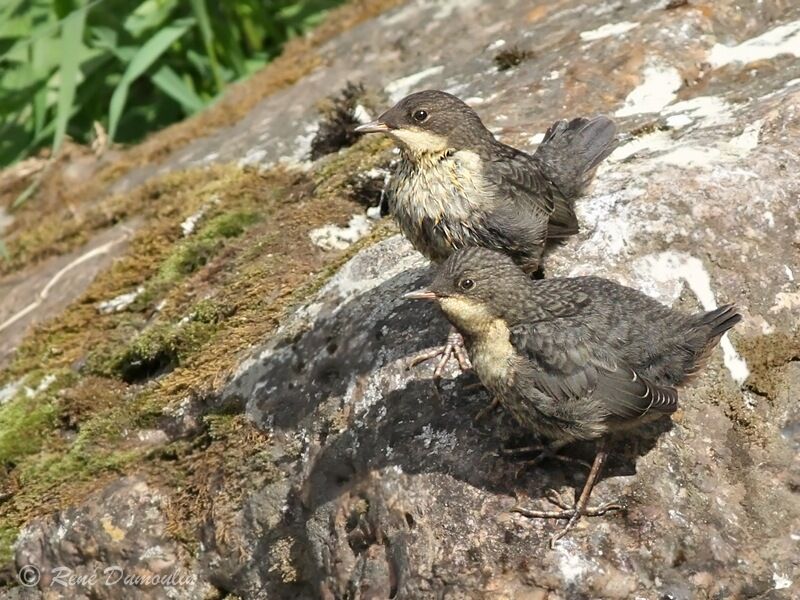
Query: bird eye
[(466, 284), (420, 116)]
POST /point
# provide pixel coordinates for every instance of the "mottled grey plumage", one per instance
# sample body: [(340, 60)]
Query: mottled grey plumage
[(583, 355), (572, 358), (458, 186)]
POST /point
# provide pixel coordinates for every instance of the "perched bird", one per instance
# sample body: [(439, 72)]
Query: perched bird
[(572, 358), (457, 186)]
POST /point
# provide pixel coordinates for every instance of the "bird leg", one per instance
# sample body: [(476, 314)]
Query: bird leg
[(453, 348), (545, 452), (486, 410), (581, 507)]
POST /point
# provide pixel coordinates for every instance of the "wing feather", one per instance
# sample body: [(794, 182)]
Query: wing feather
[(569, 368)]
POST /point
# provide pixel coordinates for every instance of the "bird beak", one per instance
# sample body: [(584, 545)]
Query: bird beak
[(373, 127), (420, 295)]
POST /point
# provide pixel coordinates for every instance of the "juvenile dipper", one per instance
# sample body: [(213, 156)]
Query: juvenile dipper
[(572, 358), (457, 186)]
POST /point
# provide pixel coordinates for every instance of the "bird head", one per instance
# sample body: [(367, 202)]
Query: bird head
[(475, 287), (430, 122)]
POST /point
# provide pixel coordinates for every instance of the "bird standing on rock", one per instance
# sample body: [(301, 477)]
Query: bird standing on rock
[(458, 186), (572, 358)]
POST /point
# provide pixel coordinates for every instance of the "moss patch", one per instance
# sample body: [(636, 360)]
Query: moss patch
[(206, 298), (8, 536)]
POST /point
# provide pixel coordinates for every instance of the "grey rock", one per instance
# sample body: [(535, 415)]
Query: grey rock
[(116, 545)]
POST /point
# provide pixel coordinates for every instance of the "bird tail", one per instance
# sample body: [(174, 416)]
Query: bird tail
[(571, 150), (713, 324)]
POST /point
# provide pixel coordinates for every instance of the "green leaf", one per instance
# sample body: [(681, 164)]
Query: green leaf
[(201, 13), (176, 88), (142, 60), (149, 15), (4, 251), (71, 44)]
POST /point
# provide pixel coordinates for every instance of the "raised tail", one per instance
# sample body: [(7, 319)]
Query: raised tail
[(571, 151), (713, 325)]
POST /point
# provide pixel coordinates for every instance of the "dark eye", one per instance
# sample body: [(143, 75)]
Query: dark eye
[(466, 284), (420, 116)]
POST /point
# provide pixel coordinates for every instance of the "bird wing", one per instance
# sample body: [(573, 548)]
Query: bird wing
[(570, 365), (520, 178), (517, 176)]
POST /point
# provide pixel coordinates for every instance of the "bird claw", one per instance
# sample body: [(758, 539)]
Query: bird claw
[(454, 348), (571, 512)]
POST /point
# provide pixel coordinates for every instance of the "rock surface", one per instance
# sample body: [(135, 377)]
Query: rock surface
[(115, 545), (386, 487)]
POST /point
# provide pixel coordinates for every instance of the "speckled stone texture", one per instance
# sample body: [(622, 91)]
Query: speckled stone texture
[(390, 489)]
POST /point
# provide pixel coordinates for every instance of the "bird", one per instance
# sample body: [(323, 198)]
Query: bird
[(577, 358), (456, 185)]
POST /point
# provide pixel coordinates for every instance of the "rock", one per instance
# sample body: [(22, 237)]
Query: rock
[(115, 545), (42, 291), (389, 489)]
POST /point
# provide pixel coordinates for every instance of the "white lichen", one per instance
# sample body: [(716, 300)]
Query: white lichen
[(254, 157), (781, 582), (657, 90), (335, 237), (703, 111), (784, 39), (608, 30), (119, 303)]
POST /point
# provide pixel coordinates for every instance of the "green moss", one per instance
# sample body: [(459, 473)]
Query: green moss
[(8, 535), (209, 312), (25, 420), (55, 468), (228, 225), (163, 347), (187, 258)]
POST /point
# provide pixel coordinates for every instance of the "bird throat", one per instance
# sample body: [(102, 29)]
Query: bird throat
[(487, 338), (420, 145)]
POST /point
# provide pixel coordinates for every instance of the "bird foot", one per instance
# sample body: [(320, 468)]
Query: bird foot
[(454, 348), (572, 512)]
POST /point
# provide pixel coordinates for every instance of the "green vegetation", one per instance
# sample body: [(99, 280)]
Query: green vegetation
[(133, 66), (25, 418)]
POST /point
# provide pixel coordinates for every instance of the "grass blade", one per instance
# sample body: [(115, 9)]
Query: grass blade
[(27, 193), (175, 87), (142, 60), (71, 45), (201, 14)]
